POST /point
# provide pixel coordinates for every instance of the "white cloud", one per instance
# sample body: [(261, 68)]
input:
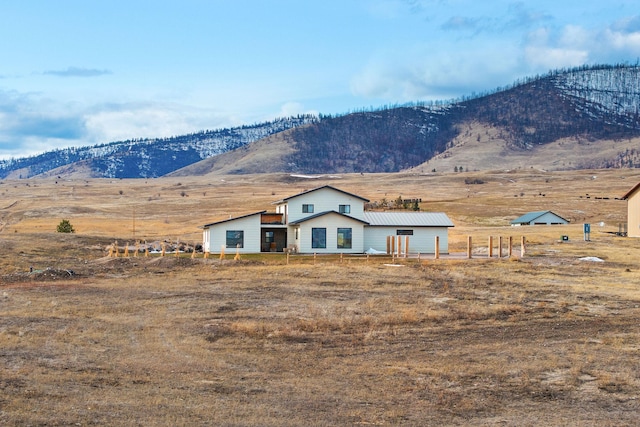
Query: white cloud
[(423, 74)]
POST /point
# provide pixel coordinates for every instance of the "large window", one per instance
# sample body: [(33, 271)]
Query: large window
[(344, 209), (235, 238), (307, 208), (344, 238), (319, 238)]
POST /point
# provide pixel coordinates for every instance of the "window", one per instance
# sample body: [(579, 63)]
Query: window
[(235, 238), (344, 238), (268, 236), (344, 209), (404, 232), (307, 208), (319, 238)]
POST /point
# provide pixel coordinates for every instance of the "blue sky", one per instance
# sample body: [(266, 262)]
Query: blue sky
[(78, 72)]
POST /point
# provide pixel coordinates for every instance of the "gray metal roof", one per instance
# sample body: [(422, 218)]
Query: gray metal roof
[(301, 220), (532, 216), (408, 219)]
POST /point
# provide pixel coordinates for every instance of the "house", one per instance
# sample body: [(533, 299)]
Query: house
[(326, 220), (539, 218), (633, 211)]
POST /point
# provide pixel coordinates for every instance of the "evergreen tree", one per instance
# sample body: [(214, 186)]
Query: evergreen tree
[(65, 227)]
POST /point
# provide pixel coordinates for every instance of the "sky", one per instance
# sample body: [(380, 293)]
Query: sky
[(77, 72)]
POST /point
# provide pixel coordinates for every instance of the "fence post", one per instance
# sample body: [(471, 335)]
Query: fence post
[(522, 247), (437, 254), (469, 247), (500, 247), (490, 246), (406, 246), (510, 246)]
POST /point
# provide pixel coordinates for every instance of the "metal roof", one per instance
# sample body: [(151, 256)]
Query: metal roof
[(532, 216), (301, 220), (408, 219), (233, 219), (286, 199)]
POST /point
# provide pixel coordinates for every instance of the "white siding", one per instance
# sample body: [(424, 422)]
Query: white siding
[(251, 227), (331, 222), (323, 200), (423, 239)]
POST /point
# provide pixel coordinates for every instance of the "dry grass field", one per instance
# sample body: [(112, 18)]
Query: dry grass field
[(87, 339)]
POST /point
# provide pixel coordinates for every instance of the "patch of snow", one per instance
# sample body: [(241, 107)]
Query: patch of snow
[(372, 251), (591, 259)]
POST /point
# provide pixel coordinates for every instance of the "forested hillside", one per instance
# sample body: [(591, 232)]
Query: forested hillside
[(590, 102)]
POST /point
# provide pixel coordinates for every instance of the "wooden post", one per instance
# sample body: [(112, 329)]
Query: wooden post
[(205, 254), (126, 250), (522, 247), (177, 251), (399, 246), (406, 246), (500, 247), (388, 245), (469, 247), (164, 248), (418, 256), (135, 254), (115, 248), (110, 251), (437, 254), (237, 257), (510, 246), (193, 253), (490, 246), (146, 251), (221, 251), (393, 247)]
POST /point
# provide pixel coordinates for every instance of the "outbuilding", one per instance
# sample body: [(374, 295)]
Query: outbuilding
[(633, 211), (539, 218)]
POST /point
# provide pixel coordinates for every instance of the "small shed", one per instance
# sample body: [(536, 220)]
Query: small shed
[(539, 218), (633, 211)]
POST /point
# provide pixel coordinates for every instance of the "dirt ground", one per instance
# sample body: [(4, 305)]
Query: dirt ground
[(550, 338)]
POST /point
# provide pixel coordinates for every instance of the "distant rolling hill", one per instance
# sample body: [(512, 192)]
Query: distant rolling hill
[(580, 118), (587, 117)]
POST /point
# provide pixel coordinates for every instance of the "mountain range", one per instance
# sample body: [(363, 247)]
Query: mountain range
[(579, 118)]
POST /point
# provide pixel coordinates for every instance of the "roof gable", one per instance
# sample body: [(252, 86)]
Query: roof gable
[(631, 192), (320, 214), (286, 199), (532, 216), (233, 219)]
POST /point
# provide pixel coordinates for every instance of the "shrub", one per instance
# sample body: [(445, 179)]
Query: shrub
[(65, 227)]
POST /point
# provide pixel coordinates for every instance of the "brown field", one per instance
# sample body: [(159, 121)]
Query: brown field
[(174, 340)]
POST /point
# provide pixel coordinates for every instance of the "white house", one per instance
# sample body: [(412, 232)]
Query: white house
[(326, 220)]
